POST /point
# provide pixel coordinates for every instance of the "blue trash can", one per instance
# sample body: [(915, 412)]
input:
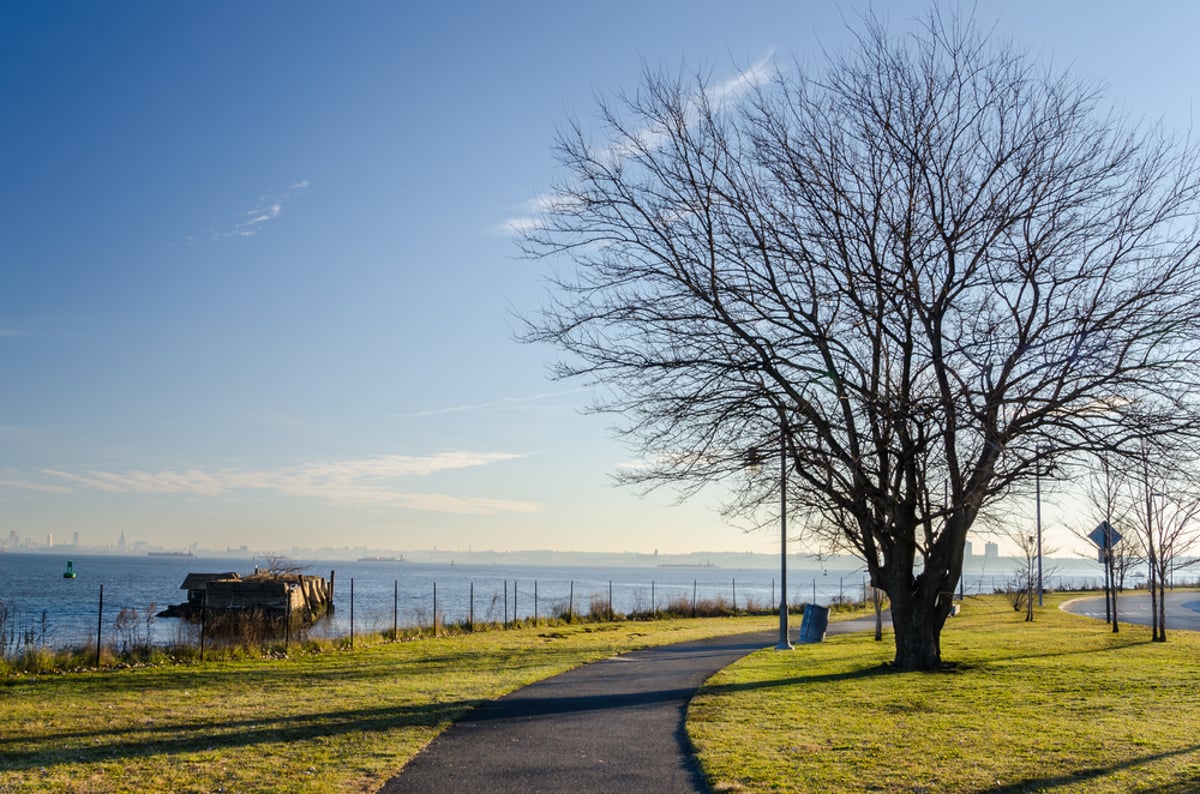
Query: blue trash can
[(814, 623)]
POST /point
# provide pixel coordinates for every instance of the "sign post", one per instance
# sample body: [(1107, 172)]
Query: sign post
[(1105, 537)]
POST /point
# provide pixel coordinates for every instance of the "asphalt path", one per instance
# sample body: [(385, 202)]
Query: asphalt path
[(1183, 609), (614, 725)]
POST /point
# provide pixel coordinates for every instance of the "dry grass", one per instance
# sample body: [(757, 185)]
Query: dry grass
[(1060, 704), (331, 721)]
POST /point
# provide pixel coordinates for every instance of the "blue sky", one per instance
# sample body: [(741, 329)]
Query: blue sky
[(256, 285)]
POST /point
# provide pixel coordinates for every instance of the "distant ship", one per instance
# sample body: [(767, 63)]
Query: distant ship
[(170, 554), (382, 559)]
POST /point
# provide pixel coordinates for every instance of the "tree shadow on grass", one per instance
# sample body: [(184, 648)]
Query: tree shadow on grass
[(874, 671), (114, 744), (1187, 784)]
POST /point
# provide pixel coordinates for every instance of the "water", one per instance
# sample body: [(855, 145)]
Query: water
[(64, 612)]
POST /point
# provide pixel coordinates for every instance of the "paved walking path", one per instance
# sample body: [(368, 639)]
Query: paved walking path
[(614, 725), (1182, 608)]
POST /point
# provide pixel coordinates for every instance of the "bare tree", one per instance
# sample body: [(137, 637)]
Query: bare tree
[(918, 270), (1026, 576), (1107, 490), (1168, 525), (1023, 593), (280, 566)]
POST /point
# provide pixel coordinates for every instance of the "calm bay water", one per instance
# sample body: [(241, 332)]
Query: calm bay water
[(67, 611)]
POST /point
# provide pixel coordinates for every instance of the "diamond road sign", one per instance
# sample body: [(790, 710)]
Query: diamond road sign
[(1104, 535)]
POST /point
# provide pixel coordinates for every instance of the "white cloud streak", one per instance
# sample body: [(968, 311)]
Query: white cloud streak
[(25, 485), (492, 404), (745, 81), (647, 139), (268, 209), (366, 481)]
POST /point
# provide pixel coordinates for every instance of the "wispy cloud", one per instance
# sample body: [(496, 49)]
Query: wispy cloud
[(268, 208), (745, 81), (25, 485), (12, 332), (491, 404), (365, 481), (532, 212), (646, 139)]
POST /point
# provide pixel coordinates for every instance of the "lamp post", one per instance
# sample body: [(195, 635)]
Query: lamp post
[(1037, 485), (753, 467), (1037, 479)]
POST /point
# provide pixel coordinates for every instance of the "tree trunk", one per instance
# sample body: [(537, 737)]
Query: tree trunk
[(1113, 578), (1161, 606), (878, 598), (1155, 627), (1116, 627), (918, 614)]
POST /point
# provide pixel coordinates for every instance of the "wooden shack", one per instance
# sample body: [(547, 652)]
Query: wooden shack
[(304, 598), (197, 583)]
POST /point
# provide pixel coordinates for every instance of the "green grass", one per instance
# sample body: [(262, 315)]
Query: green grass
[(1060, 704), (331, 721)]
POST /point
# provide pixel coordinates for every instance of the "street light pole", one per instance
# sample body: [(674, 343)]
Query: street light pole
[(784, 644), (1037, 478), (753, 467)]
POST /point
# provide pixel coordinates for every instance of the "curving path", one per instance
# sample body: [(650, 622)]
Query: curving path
[(609, 726), (1183, 609)]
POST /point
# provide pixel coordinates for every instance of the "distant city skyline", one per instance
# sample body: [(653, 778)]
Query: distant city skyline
[(992, 557), (260, 281)]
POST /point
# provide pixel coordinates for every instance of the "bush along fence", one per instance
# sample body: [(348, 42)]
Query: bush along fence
[(131, 634), (127, 635)]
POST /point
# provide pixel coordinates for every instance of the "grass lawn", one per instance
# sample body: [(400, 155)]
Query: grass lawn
[(1058, 705), (333, 721)]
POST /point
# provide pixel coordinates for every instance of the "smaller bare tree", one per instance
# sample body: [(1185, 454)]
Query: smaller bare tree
[(279, 565), (149, 618), (1021, 586), (1168, 525), (1107, 490)]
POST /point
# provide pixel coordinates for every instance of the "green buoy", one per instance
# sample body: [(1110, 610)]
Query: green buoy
[(70, 572)]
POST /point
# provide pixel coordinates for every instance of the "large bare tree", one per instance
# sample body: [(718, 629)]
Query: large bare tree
[(915, 270)]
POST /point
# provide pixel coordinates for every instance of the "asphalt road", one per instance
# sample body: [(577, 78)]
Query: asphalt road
[(1183, 609), (614, 725)]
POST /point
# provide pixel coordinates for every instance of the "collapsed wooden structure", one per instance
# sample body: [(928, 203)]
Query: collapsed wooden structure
[(271, 593)]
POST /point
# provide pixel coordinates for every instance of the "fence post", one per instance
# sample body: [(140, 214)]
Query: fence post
[(535, 603), (435, 622), (735, 594), (100, 626), (395, 610), (571, 604), (505, 603), (351, 613), (471, 607), (203, 618), (653, 602), (611, 615), (287, 626), (694, 584)]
